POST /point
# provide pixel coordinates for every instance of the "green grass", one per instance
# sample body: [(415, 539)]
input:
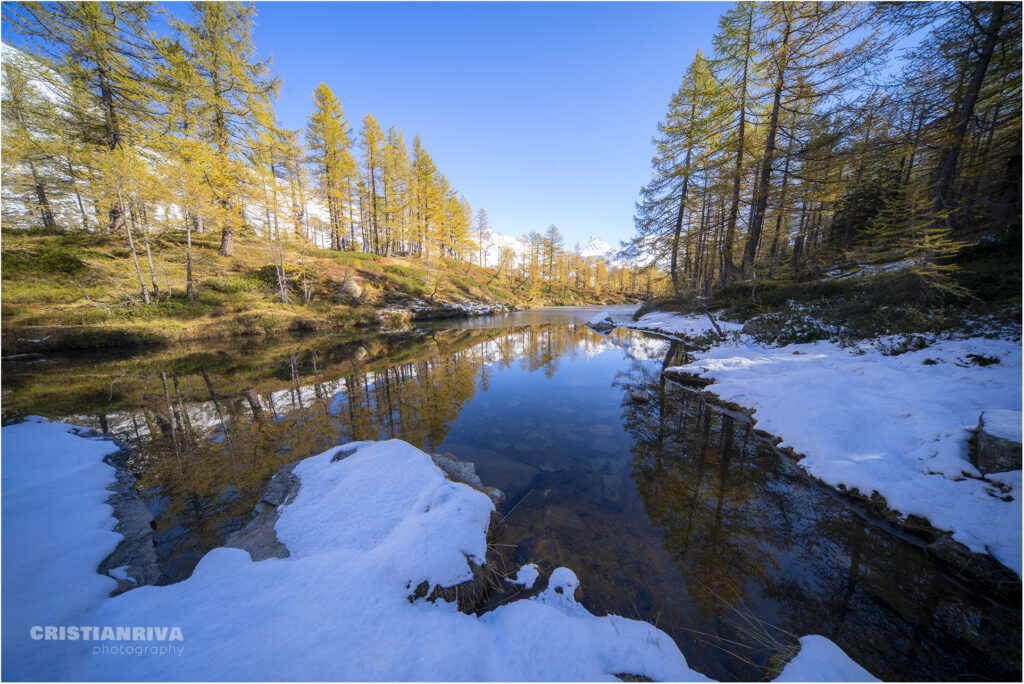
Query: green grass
[(404, 284), (234, 283), (49, 259)]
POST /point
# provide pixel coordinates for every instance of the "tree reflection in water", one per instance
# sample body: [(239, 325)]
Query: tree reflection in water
[(671, 511), (755, 539)]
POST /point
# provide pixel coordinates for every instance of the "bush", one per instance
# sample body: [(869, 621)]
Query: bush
[(175, 307), (56, 259), (406, 271), (405, 284), (234, 283)]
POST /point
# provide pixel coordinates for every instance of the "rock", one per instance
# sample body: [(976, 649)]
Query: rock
[(998, 441), (611, 487), (394, 318), (754, 326), (978, 569), (351, 289), (640, 396), (687, 378), (605, 447), (137, 550), (258, 536), (465, 472)]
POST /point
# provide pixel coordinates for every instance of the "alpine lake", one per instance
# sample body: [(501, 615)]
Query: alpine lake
[(674, 511)]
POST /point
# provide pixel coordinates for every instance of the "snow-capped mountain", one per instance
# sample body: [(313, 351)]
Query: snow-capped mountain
[(494, 243), (597, 247)]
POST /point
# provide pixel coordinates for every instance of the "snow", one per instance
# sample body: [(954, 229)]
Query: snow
[(596, 247), (681, 326), (820, 660), (362, 533), (121, 573), (526, 576), (862, 270), (895, 425), (1003, 424), (599, 318), (56, 531)]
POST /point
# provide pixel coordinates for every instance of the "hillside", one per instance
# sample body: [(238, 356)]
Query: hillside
[(79, 290), (884, 297)]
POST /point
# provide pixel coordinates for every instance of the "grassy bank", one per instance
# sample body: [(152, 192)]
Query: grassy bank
[(77, 291), (860, 300)]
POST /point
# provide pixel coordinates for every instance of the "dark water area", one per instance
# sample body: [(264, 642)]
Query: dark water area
[(671, 511)]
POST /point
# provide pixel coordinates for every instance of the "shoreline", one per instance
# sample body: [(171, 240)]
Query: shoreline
[(982, 571)]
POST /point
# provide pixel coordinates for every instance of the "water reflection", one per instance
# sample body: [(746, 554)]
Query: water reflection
[(756, 540), (670, 511)]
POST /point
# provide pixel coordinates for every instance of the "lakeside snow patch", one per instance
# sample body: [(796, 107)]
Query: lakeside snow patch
[(898, 425), (681, 326), (362, 532), (56, 531)]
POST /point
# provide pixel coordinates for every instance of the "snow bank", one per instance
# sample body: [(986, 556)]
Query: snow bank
[(820, 660), (56, 531), (362, 532), (680, 326), (897, 425), (1003, 424)]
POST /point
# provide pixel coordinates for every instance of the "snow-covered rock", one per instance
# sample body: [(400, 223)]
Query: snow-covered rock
[(820, 660), (601, 322), (998, 445)]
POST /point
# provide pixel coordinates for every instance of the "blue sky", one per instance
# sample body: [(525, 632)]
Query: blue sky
[(538, 112)]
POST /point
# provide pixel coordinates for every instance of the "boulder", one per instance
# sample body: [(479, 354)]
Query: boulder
[(465, 472), (134, 562), (601, 323), (998, 441), (258, 536), (351, 289), (978, 569)]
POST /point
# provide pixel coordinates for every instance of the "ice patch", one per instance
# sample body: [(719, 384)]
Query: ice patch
[(56, 531), (362, 532)]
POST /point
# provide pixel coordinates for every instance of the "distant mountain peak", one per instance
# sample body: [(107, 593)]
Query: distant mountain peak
[(597, 247)]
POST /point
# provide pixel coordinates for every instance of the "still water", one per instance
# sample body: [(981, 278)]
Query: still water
[(671, 511)]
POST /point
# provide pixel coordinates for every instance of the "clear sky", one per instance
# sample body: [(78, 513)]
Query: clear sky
[(540, 113)]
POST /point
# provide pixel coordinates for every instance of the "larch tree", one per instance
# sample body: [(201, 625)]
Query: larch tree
[(330, 153), (232, 85)]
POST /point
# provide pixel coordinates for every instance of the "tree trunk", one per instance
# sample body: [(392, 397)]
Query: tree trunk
[(947, 165), (764, 183), (44, 204), (730, 227)]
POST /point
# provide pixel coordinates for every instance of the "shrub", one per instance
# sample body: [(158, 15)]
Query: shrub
[(405, 284), (234, 283), (55, 259)]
